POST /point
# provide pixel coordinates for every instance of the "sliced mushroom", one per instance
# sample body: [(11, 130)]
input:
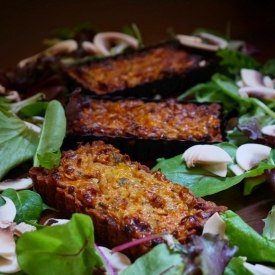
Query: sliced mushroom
[(268, 82), (9, 266), (252, 78), (219, 169), (215, 225), (13, 96), (104, 40), (236, 169), (54, 222), (251, 154), (37, 119), (117, 260), (89, 47), (220, 42), (8, 210), (7, 247), (62, 47), (17, 184), (195, 43), (23, 227), (257, 91), (210, 157), (269, 130), (258, 269)]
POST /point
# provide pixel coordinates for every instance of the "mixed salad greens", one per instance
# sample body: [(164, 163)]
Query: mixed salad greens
[(49, 251)]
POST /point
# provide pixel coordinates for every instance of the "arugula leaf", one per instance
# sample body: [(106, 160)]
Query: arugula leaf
[(17, 142), (62, 249), (269, 68), (233, 61), (52, 134), (202, 182), (50, 159), (160, 260), (251, 244), (29, 204), (269, 227)]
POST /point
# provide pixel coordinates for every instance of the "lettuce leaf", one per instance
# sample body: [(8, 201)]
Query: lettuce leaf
[(251, 244), (62, 249), (17, 143)]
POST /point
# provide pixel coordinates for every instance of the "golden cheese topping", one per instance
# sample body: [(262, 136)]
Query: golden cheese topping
[(150, 120)]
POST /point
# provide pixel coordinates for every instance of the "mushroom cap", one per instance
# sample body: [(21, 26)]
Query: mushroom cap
[(251, 77), (9, 266), (8, 210), (269, 130), (7, 247), (118, 261), (205, 155), (215, 225), (251, 154), (220, 42), (89, 47), (257, 91), (17, 184), (236, 169), (103, 40)]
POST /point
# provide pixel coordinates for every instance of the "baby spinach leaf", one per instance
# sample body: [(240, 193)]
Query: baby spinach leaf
[(202, 182), (34, 109), (50, 159), (17, 142), (251, 244), (29, 204), (269, 68), (62, 249), (160, 260), (53, 132)]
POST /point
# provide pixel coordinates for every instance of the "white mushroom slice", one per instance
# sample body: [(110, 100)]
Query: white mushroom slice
[(7, 247), (9, 266), (268, 82), (205, 155), (7, 224), (184, 40), (215, 225), (257, 91), (89, 47), (236, 169), (33, 127), (117, 260), (269, 130), (104, 40), (17, 184), (220, 42), (23, 227), (218, 169), (240, 83), (62, 47), (8, 210), (258, 269), (251, 77), (251, 154)]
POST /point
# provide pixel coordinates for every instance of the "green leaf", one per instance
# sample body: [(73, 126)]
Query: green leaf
[(251, 244), (63, 249), (34, 109), (269, 227), (53, 130), (50, 159), (236, 267), (159, 260), (269, 68), (202, 182), (17, 143), (2, 201), (29, 204), (250, 184)]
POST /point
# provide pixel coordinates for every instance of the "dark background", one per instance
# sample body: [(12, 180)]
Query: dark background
[(25, 23)]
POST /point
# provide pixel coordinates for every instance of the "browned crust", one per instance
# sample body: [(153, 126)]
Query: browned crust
[(124, 200)]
